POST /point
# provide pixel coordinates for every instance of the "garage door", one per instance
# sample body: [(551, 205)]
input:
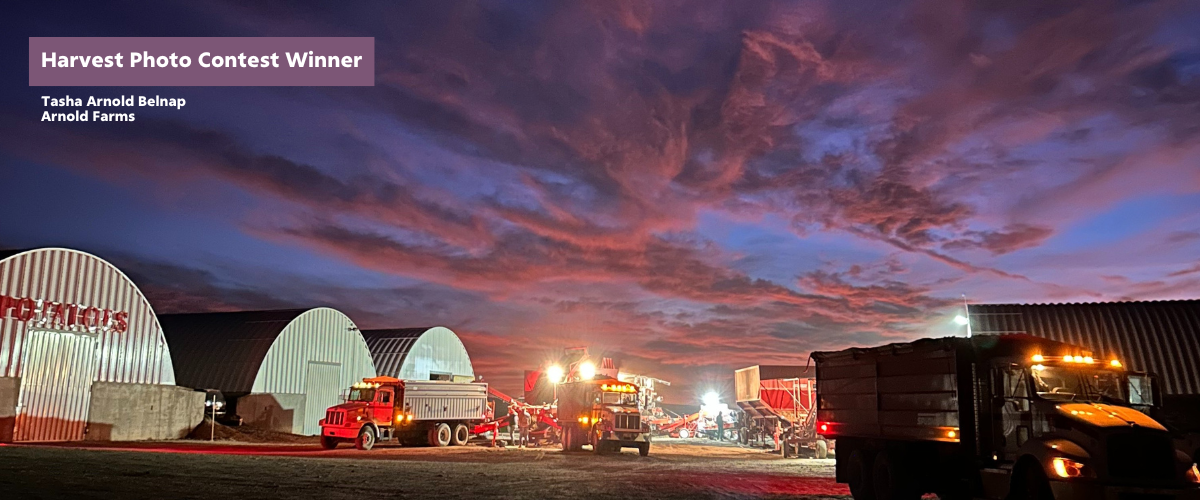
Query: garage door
[(324, 388), (56, 386)]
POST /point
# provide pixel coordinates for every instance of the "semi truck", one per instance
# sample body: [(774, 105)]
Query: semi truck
[(603, 413), (1005, 416), (433, 413)]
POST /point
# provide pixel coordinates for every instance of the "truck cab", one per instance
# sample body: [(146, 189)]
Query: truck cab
[(602, 413)]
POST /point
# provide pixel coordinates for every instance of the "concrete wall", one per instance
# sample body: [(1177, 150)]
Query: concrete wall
[(132, 412), (276, 412), (10, 388)]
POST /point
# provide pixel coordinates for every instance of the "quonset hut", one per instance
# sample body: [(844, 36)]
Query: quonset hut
[(82, 355), (278, 370), (432, 353)]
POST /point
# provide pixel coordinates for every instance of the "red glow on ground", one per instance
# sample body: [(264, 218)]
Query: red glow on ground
[(766, 484)]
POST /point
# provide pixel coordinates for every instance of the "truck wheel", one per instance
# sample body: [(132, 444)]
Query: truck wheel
[(822, 449), (366, 438), (858, 477), (440, 435), (1030, 484), (644, 449), (890, 481), (683, 433), (461, 435), (566, 440), (328, 442)]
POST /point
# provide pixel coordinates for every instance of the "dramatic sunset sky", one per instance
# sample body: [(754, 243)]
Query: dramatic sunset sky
[(689, 187)]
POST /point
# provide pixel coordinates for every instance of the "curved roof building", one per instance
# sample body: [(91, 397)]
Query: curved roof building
[(68, 321), (283, 368), (431, 353)]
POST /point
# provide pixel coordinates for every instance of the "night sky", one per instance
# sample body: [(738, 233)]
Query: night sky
[(689, 187)]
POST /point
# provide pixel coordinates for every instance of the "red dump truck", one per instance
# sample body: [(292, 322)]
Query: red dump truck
[(433, 413), (778, 406), (1007, 416)]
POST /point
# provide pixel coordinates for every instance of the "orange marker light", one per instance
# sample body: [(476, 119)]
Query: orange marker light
[(1038, 358), (1115, 364)]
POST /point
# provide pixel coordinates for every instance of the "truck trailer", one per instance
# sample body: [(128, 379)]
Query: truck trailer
[(778, 405), (1006, 416), (434, 413)]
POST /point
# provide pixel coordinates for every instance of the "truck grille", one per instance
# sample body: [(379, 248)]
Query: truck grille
[(1141, 455), (628, 421), (335, 417)]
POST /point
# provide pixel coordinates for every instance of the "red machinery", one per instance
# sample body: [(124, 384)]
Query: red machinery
[(676, 426), (779, 409)]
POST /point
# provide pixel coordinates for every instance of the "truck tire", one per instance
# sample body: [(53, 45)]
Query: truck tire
[(858, 476), (822, 449), (644, 449), (1029, 483), (569, 440), (328, 442), (366, 438), (461, 435), (890, 480), (440, 435), (683, 434)]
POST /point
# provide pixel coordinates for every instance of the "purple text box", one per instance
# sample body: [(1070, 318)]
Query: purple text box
[(239, 61)]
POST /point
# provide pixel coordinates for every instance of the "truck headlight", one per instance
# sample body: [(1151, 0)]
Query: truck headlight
[(1067, 468), (1193, 474)]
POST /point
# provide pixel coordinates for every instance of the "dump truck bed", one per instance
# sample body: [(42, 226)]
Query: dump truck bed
[(899, 391), (439, 400)]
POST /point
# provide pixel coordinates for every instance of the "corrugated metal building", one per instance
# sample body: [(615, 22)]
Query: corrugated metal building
[(82, 354), (278, 369), (433, 353), (1159, 336)]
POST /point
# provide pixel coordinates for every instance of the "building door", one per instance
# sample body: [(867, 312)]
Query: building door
[(57, 369), (323, 386)]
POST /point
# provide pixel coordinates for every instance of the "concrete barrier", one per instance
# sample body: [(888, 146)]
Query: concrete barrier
[(134, 412)]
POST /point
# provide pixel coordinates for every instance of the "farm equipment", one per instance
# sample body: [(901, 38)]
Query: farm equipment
[(581, 402), (434, 413), (602, 413), (778, 406)]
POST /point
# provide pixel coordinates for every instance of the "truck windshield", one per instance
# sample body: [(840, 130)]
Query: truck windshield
[(618, 398), (361, 395), (1077, 384)]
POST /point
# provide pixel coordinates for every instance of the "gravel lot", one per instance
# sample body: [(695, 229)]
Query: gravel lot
[(186, 469)]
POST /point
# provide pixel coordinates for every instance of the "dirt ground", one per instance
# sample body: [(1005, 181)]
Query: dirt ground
[(675, 469)]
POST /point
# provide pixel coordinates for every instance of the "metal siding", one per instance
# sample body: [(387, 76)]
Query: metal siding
[(1162, 337), (320, 335), (70, 276), (56, 387), (322, 391), (416, 353)]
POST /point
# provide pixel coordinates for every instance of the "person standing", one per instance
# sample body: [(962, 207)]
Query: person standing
[(720, 426), (523, 425)]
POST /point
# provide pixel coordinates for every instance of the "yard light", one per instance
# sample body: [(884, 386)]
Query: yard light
[(587, 370), (555, 374), (961, 320), (711, 399)]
